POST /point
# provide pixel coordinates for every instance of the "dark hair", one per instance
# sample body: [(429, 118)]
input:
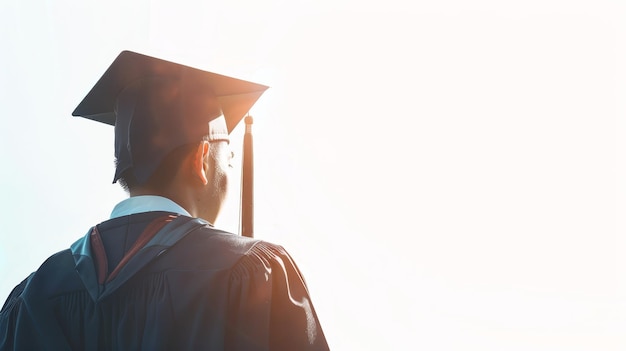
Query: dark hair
[(127, 180), (165, 172)]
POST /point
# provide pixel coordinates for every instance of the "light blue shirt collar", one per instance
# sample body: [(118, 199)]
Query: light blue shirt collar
[(146, 203)]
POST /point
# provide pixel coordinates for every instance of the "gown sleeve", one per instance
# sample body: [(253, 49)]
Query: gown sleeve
[(269, 305), (17, 326), (9, 316)]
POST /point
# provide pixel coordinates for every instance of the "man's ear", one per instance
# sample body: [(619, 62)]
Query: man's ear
[(200, 167)]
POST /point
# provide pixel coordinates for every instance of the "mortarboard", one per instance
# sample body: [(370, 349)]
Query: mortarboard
[(157, 106)]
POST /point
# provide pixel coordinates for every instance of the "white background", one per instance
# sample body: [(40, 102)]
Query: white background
[(448, 175)]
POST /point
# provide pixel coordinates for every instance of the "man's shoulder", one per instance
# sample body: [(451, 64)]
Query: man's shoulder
[(54, 275), (57, 274), (218, 248)]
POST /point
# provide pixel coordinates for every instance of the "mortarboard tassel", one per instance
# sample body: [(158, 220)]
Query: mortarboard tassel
[(247, 182)]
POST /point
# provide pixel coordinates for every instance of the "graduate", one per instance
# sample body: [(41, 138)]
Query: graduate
[(157, 275)]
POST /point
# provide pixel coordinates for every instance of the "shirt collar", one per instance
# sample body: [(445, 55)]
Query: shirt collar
[(146, 203)]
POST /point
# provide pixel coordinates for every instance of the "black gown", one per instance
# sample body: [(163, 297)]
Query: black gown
[(160, 281)]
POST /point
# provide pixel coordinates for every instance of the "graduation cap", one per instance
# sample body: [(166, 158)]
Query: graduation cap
[(157, 106)]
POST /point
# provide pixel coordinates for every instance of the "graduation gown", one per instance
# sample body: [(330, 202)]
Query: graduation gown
[(161, 281)]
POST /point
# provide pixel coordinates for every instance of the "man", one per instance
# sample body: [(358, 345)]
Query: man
[(157, 275)]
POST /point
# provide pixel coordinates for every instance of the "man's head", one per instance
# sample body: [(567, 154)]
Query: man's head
[(172, 124), (194, 175), (169, 140)]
